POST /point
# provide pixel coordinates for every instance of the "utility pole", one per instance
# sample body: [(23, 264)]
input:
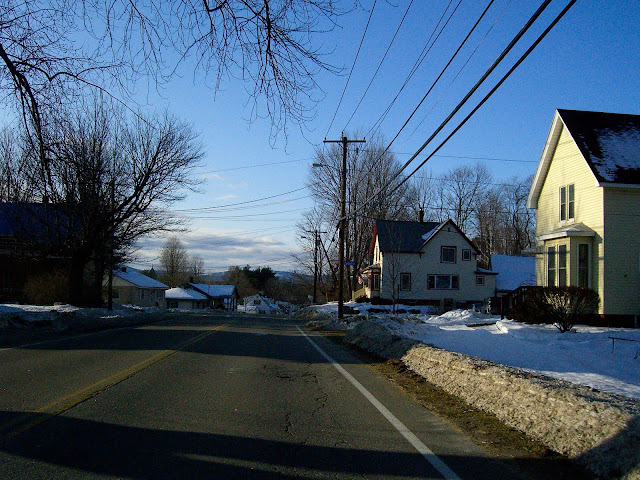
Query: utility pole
[(343, 193), (316, 241)]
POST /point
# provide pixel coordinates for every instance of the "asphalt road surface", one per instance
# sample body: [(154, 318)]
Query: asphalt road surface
[(216, 396)]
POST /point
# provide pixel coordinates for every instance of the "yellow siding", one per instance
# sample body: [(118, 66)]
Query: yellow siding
[(568, 166), (622, 251)]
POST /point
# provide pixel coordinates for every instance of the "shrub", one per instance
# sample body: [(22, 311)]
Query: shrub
[(560, 306), (362, 299), (47, 288)]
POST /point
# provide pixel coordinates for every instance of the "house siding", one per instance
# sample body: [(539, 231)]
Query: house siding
[(420, 266), (568, 166), (622, 251), (129, 294)]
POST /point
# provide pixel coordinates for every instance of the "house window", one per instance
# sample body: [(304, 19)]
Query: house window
[(551, 266), (376, 281), (480, 281), (443, 282), (256, 302), (466, 255), (448, 254), (567, 203), (583, 265), (562, 265), (405, 282)]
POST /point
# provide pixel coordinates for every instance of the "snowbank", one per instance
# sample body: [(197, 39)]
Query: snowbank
[(70, 318), (599, 430)]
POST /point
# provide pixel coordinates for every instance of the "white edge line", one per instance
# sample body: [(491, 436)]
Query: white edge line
[(425, 451)]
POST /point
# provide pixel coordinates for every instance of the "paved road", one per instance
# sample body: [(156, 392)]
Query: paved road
[(216, 397)]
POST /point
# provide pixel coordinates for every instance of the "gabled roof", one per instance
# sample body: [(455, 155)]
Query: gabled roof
[(609, 143), (410, 237), (183, 294), (402, 236), (138, 279), (214, 291)]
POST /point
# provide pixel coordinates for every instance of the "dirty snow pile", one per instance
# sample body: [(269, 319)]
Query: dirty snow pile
[(69, 317), (585, 356)]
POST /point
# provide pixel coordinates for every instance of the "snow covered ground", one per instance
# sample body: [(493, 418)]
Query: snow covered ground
[(584, 355)]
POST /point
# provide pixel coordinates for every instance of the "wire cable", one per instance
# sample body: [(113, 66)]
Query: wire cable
[(352, 66), (466, 98), (492, 91), (379, 65), (433, 84)]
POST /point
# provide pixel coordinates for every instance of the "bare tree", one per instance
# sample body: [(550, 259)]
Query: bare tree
[(368, 169), (174, 261), (196, 268), (108, 182), (463, 188), (52, 52)]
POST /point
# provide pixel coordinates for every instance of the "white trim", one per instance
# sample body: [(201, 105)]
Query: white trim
[(618, 185), (545, 160)]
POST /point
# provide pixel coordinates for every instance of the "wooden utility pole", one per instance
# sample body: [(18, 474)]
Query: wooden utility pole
[(343, 193)]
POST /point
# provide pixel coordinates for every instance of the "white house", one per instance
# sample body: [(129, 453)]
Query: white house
[(130, 287), (432, 263), (185, 299), (223, 297), (260, 304)]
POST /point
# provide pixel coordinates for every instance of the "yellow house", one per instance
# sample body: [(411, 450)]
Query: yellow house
[(587, 194)]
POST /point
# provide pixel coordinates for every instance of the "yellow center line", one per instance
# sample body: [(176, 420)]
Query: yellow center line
[(24, 422)]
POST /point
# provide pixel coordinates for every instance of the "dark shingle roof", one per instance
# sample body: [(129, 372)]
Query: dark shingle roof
[(609, 142), (34, 222), (400, 236)]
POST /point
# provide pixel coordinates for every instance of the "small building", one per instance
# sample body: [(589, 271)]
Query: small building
[(131, 287), (261, 305), (185, 299), (222, 297), (586, 192), (431, 263)]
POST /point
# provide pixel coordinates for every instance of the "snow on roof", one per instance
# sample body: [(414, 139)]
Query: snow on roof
[(215, 290), (138, 279), (609, 142), (183, 294), (513, 271)]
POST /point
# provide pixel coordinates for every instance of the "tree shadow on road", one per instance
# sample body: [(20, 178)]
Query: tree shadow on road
[(60, 447)]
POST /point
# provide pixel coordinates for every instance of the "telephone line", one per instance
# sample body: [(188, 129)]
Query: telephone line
[(352, 67), (520, 34)]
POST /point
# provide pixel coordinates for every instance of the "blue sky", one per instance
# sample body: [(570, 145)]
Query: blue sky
[(589, 61)]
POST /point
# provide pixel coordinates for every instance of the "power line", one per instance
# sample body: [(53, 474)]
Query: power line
[(482, 79), (352, 66), (251, 215), (437, 78), (415, 67), (258, 165), (379, 65), (492, 91), (240, 203), (464, 65)]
